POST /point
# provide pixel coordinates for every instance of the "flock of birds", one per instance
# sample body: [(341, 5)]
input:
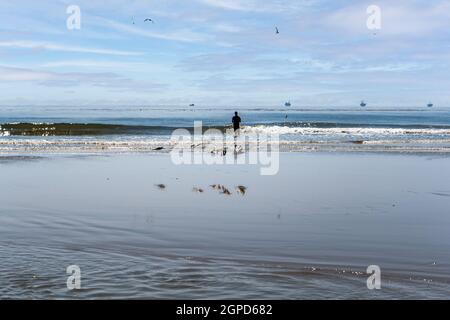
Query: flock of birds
[(218, 187)]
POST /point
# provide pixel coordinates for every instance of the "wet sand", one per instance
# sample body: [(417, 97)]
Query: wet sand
[(308, 232)]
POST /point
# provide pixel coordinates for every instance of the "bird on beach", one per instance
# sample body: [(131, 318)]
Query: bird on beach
[(148, 19), (226, 191), (221, 188), (241, 189)]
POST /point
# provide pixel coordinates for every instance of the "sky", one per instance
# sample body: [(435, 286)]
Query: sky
[(225, 52)]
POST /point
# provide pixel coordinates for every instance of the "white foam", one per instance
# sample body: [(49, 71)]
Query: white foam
[(281, 130)]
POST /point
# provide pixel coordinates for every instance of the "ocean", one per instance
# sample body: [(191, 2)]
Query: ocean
[(144, 129)]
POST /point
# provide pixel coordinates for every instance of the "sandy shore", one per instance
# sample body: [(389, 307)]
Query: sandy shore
[(308, 232)]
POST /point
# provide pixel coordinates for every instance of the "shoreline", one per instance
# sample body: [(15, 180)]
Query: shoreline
[(43, 155)]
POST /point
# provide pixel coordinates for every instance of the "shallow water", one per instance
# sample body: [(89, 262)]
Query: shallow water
[(308, 232)]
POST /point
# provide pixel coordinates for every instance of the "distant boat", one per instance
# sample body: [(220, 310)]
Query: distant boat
[(363, 104), (192, 105), (287, 104), (429, 105)]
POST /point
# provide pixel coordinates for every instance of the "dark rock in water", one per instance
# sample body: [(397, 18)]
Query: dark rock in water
[(158, 148), (161, 186), (195, 189)]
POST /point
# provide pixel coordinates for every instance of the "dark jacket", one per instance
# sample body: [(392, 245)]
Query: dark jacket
[(236, 121)]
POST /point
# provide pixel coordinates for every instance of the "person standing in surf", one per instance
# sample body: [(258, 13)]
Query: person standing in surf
[(236, 126), (236, 121)]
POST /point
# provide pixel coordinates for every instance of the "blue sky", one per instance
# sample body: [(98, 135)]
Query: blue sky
[(224, 52)]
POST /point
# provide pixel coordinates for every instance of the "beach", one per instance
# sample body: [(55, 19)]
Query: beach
[(308, 232), (224, 150)]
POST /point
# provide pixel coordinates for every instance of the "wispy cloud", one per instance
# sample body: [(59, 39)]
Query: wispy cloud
[(35, 45), (108, 80), (229, 4), (225, 27), (182, 35), (20, 74), (273, 6)]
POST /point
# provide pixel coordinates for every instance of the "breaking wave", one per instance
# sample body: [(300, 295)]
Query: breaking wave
[(300, 128), (331, 130)]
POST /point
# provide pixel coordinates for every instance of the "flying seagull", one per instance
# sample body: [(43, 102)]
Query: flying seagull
[(160, 186), (276, 30), (148, 19)]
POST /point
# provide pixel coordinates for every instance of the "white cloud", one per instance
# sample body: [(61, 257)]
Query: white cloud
[(142, 68), (19, 74), (35, 45), (260, 6), (228, 28), (229, 4), (108, 80), (183, 35)]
